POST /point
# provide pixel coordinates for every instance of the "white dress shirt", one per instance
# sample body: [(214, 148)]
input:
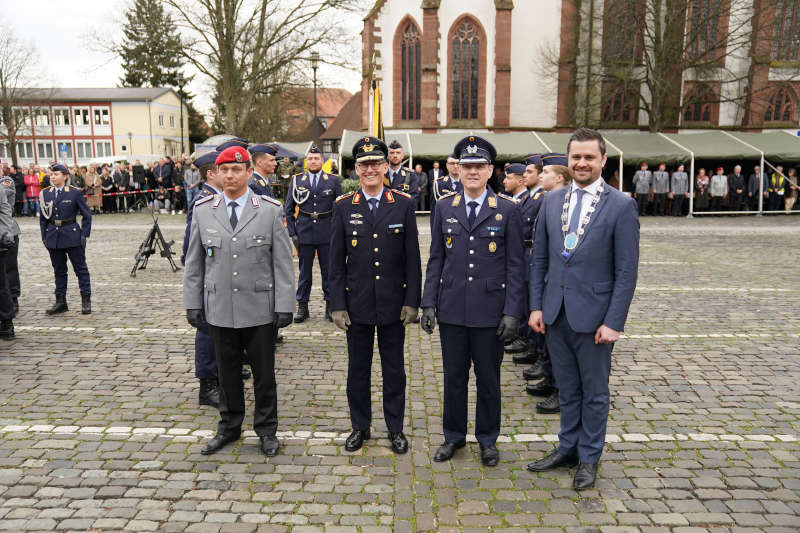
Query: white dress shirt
[(240, 201), (479, 199), (590, 193)]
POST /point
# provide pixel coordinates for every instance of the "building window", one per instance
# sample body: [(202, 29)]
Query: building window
[(61, 116), (410, 72), (621, 43), (620, 106), (4, 153), (25, 150), (81, 115), (22, 117), (705, 33), (780, 108), (465, 70), (64, 149), (172, 121), (700, 105), (84, 149), (103, 148), (44, 150), (101, 116), (161, 120), (41, 116), (786, 45)]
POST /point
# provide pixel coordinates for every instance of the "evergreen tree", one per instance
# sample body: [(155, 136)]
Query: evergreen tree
[(151, 47)]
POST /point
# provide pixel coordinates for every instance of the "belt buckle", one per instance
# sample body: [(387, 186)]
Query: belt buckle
[(57, 223), (314, 216)]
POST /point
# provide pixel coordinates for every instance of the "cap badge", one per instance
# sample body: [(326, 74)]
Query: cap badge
[(238, 157), (368, 147), (472, 139), (472, 149)]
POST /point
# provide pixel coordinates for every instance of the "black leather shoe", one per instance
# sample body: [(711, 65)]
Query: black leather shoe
[(516, 346), (536, 371), (86, 304), (217, 443), (552, 461), (302, 312), (246, 374), (447, 450), (279, 339), (356, 440), (7, 330), (399, 442), (542, 388), (14, 306), (270, 445), (489, 455), (328, 316), (550, 405), (209, 393), (585, 476), (60, 306), (527, 357)]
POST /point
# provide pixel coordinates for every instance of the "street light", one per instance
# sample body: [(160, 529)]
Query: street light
[(314, 67), (130, 142), (181, 85)]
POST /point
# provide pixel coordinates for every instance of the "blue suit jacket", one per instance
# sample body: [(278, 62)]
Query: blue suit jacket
[(308, 230), (69, 204), (475, 276), (260, 185), (399, 183), (597, 281)]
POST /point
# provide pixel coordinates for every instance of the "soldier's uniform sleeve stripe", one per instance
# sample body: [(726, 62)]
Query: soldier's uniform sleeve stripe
[(202, 200), (270, 200)]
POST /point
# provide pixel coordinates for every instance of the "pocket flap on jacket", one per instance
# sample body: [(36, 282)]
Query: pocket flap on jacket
[(212, 242), (603, 286), (263, 285), (209, 286), (495, 284)]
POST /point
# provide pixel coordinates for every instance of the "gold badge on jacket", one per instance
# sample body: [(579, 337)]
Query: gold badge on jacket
[(354, 242), (492, 247), (448, 241)]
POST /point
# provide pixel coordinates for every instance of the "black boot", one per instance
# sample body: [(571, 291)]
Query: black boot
[(528, 357), (550, 405), (60, 306), (516, 346), (209, 393), (15, 306), (86, 303), (536, 371), (7, 330), (328, 316), (302, 312)]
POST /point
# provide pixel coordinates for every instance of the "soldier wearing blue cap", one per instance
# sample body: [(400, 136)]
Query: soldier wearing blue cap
[(308, 208), (264, 164), (473, 285), (64, 238), (447, 184), (401, 178), (376, 279)]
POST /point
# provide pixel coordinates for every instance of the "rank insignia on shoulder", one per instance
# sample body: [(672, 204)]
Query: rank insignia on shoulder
[(203, 199), (537, 195), (403, 194), (270, 199), (8, 182), (261, 182), (509, 198), (447, 195), (456, 200), (492, 201), (389, 197), (346, 195)]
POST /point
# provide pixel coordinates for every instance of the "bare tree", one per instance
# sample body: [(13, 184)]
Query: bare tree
[(17, 75), (252, 50)]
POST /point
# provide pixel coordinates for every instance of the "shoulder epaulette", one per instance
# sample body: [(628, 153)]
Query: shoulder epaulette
[(203, 199), (346, 195), (401, 193), (8, 182), (441, 178), (448, 195), (270, 199), (538, 195), (507, 197)]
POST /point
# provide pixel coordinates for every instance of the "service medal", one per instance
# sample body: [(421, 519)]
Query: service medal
[(354, 242), (448, 241), (498, 216), (571, 241), (492, 247)]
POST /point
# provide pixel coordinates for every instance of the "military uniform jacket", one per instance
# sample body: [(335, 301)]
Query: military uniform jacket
[(205, 190), (529, 207), (475, 276), (7, 223), (243, 276), (443, 186), (70, 202), (660, 182), (8, 189), (680, 183), (312, 224), (405, 180), (642, 181), (260, 185), (374, 259)]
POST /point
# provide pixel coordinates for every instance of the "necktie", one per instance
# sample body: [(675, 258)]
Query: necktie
[(373, 205), (234, 218), (314, 182), (576, 213), (57, 193), (473, 206)]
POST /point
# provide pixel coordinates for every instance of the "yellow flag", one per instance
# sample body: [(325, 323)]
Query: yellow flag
[(376, 124)]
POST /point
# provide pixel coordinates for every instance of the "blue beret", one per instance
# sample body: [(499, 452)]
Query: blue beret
[(369, 149), (236, 141), (554, 159), (262, 148), (58, 167), (475, 149), (395, 145), (515, 168), (207, 158), (314, 150), (533, 159)]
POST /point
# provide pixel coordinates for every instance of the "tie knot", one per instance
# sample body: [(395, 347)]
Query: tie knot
[(473, 204), (233, 205), (373, 202)]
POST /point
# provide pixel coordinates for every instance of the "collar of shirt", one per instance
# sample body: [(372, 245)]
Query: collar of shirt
[(368, 197), (591, 189), (536, 189), (212, 188), (240, 201), (521, 194), (480, 199)]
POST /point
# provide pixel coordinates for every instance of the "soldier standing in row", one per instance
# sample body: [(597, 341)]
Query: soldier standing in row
[(308, 208), (64, 238), (7, 228), (679, 189), (264, 165), (376, 279), (8, 189), (660, 189), (401, 178), (473, 285), (239, 269), (447, 184), (642, 185)]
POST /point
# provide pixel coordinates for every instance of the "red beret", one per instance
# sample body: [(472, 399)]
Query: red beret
[(234, 154)]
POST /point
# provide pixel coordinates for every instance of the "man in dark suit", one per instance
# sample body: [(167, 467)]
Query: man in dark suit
[(375, 279), (473, 285), (423, 182), (435, 172), (585, 261), (756, 188), (736, 186)]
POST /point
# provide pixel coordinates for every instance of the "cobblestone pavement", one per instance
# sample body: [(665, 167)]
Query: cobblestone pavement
[(100, 428)]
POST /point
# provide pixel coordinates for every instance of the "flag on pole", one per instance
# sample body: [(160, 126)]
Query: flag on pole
[(376, 119)]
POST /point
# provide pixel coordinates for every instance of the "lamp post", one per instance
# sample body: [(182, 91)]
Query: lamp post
[(314, 67), (130, 142), (181, 84)]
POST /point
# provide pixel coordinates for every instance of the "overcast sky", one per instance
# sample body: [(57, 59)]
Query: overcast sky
[(68, 35)]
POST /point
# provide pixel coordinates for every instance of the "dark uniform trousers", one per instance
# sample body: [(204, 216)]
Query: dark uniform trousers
[(462, 347), (77, 256), (305, 257), (12, 269), (582, 369), (391, 338), (6, 307), (205, 364), (257, 345)]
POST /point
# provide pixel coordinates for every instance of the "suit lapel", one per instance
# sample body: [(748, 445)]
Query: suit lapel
[(363, 208), (461, 211), (383, 207), (592, 218), (248, 214), (221, 213), (486, 210)]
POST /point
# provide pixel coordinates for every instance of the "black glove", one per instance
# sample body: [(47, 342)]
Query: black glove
[(428, 320), (296, 242), (195, 317), (83, 242), (282, 320), (508, 328)]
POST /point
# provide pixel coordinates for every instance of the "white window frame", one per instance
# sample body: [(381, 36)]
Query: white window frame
[(161, 120), (25, 115), (171, 120), (4, 153), (102, 152), (81, 109), (70, 155), (106, 115), (83, 145), (27, 143), (45, 156), (62, 111), (40, 112)]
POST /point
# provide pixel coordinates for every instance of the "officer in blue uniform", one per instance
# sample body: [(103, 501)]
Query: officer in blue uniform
[(308, 208), (444, 185), (401, 178), (473, 285), (264, 165), (65, 238), (375, 280)]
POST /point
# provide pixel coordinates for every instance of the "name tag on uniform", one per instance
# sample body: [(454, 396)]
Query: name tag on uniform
[(356, 222), (392, 226)]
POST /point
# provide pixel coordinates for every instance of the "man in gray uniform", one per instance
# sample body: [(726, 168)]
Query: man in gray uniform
[(239, 268), (12, 269), (7, 228), (642, 185), (679, 189), (660, 189)]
